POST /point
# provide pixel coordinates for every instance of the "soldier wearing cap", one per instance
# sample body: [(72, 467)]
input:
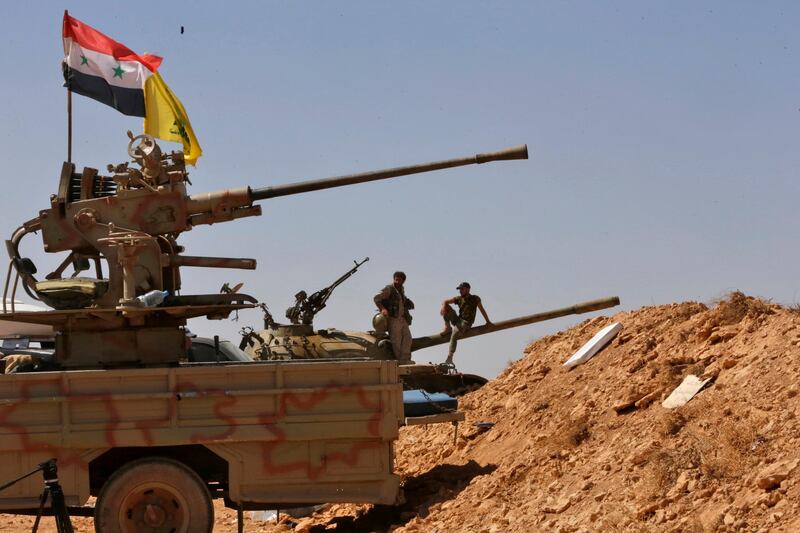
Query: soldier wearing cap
[(457, 324), (395, 306)]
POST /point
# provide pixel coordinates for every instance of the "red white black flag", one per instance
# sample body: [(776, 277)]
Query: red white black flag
[(103, 69)]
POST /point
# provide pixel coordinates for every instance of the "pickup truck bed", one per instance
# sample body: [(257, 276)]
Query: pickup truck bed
[(259, 434)]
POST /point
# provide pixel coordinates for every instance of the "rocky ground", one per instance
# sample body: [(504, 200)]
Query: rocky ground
[(592, 449)]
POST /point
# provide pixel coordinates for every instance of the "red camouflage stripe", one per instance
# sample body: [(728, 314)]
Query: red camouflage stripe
[(90, 38)]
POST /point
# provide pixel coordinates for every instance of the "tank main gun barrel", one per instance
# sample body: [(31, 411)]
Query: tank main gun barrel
[(264, 193), (420, 343)]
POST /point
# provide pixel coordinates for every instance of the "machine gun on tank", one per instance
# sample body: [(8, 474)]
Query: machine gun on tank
[(126, 225), (306, 307)]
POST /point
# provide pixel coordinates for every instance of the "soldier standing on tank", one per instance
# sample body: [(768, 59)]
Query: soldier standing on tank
[(457, 324), (393, 304)]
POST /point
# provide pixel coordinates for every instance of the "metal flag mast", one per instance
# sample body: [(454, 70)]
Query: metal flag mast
[(69, 125), (69, 96)]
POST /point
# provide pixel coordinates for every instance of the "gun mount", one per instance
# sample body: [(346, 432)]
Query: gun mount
[(126, 226)]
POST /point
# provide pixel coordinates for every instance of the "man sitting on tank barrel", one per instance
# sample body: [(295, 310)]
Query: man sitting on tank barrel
[(395, 306), (457, 324)]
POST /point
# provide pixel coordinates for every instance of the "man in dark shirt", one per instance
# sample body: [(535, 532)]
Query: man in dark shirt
[(457, 324), (395, 306)]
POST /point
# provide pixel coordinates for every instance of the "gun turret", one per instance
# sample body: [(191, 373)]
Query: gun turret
[(278, 342), (132, 219)]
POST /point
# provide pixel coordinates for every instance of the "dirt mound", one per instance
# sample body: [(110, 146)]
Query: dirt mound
[(592, 449)]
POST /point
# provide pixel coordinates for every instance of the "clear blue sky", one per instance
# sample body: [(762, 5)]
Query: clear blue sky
[(663, 138)]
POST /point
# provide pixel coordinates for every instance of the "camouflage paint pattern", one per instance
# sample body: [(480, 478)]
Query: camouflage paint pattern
[(289, 432)]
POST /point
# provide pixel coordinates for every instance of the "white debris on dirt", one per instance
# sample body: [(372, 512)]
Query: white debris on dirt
[(594, 345), (684, 392)]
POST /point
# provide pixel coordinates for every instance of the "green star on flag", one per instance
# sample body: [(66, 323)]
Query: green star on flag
[(84, 61), (118, 72)]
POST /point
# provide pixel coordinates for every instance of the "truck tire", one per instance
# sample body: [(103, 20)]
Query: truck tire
[(154, 495)]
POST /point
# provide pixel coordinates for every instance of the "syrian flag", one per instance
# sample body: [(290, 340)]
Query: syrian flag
[(103, 69)]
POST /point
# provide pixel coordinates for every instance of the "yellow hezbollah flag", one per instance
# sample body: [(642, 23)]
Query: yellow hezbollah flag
[(166, 118)]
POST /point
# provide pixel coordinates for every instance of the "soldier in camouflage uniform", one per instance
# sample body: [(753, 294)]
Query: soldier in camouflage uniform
[(457, 324), (393, 304)]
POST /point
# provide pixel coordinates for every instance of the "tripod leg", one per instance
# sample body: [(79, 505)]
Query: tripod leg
[(42, 501), (63, 523), (60, 513)]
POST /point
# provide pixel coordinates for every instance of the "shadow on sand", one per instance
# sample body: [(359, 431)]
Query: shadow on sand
[(439, 484)]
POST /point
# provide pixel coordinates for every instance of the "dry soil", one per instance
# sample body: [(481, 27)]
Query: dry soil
[(592, 449)]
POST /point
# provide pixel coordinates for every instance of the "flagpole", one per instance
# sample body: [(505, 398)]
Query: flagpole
[(69, 126), (69, 91)]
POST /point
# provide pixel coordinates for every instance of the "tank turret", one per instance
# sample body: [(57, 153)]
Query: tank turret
[(125, 226), (299, 341), (302, 341)]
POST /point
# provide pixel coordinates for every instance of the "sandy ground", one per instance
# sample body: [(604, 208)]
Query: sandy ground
[(224, 522), (592, 449)]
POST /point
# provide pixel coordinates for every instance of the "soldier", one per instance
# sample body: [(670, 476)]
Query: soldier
[(457, 324), (393, 304)]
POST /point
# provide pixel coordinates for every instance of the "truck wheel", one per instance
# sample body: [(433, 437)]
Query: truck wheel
[(154, 495)]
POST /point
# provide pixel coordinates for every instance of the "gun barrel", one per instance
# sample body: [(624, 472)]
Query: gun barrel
[(419, 343), (516, 152), (211, 262)]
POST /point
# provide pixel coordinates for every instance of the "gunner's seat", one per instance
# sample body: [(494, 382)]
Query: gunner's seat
[(70, 293), (60, 293)]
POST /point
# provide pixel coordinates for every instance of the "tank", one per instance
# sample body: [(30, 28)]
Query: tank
[(124, 227), (299, 340)]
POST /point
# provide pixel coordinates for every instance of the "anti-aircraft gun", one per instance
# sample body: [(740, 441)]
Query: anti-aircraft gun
[(129, 222)]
